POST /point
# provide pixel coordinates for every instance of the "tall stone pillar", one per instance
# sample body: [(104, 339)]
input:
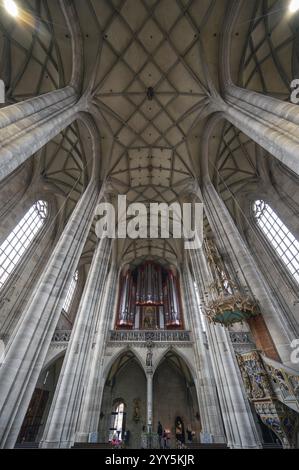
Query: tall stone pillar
[(240, 428), (258, 117), (206, 388), (26, 127), (281, 327), (270, 122), (62, 420), (237, 415), (27, 348), (149, 400), (88, 422)]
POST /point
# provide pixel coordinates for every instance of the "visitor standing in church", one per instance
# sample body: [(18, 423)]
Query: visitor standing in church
[(160, 434), (189, 436), (179, 433), (165, 439)]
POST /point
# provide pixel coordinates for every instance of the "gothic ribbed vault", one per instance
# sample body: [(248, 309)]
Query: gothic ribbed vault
[(150, 69)]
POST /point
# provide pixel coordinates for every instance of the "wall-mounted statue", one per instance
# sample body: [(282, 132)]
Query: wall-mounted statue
[(136, 410)]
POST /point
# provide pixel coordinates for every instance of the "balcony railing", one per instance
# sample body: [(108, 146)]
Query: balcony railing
[(242, 342), (61, 336), (155, 336)]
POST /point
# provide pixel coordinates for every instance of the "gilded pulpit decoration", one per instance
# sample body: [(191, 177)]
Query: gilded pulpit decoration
[(228, 305), (285, 384), (230, 309), (282, 420), (254, 375)]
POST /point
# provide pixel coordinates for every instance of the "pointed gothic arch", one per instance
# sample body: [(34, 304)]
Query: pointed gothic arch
[(175, 396), (125, 382), (117, 360)]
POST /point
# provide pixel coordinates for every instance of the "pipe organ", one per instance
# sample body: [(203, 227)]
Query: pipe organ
[(149, 299)]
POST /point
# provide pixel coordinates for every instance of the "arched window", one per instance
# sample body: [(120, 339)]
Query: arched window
[(70, 293), (19, 240), (117, 425), (279, 236)]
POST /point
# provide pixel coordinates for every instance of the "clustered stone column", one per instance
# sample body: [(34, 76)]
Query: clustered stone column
[(240, 428), (206, 388), (61, 424), (88, 422), (149, 399), (265, 120), (281, 328), (270, 122), (26, 127), (27, 348)]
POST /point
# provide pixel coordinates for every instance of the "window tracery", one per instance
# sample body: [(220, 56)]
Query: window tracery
[(278, 235), (19, 240)]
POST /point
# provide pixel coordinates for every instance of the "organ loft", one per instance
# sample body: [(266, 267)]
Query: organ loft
[(149, 299)]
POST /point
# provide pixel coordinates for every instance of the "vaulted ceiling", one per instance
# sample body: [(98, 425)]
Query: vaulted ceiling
[(151, 90), (150, 67), (266, 52)]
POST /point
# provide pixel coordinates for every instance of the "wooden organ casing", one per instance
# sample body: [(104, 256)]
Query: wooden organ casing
[(149, 299)]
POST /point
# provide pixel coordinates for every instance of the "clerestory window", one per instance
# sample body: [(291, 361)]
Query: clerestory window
[(281, 239), (20, 239)]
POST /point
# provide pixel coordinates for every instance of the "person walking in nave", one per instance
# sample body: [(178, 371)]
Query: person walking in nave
[(160, 434)]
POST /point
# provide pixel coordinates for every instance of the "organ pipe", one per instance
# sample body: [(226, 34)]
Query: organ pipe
[(149, 299)]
